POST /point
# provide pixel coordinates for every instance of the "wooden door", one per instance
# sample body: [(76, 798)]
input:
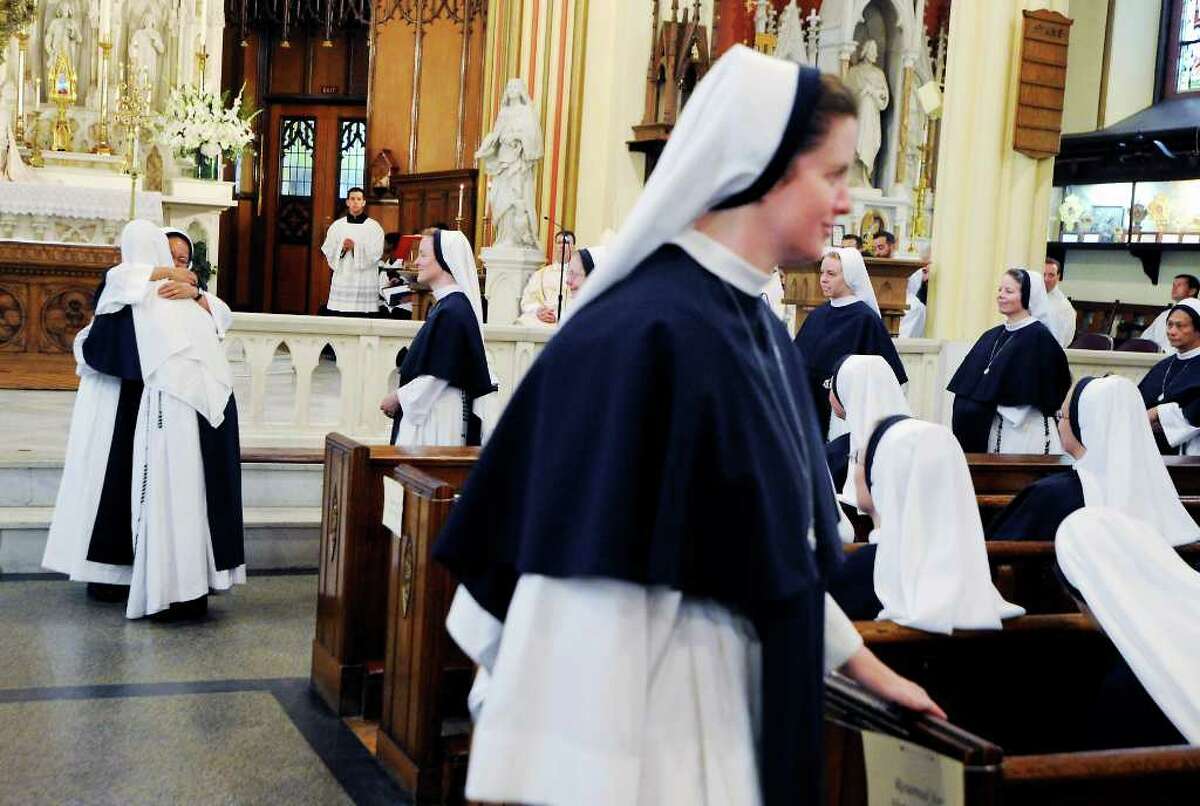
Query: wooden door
[(316, 153)]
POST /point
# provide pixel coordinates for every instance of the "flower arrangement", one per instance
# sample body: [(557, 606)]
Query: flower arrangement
[(1070, 211), (199, 120)]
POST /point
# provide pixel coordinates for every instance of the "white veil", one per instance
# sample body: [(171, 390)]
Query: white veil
[(854, 271), (454, 252), (867, 389), (1122, 468), (931, 567), (1147, 600), (703, 164)]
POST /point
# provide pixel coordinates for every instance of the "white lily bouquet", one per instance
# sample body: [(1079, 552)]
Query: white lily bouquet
[(199, 122)]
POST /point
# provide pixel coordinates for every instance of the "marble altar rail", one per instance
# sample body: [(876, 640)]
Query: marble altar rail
[(290, 395), (341, 392)]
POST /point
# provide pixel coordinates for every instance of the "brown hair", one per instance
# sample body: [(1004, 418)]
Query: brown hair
[(834, 101), (1057, 266)]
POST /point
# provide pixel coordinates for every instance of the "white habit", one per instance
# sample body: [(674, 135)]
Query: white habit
[(1157, 332), (912, 325), (355, 284), (1178, 432), (1062, 316)]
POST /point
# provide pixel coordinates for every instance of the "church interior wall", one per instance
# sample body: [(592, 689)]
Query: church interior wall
[(1112, 276), (1129, 87), (1085, 65)]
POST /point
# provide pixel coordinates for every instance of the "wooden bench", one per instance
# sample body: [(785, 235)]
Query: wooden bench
[(1008, 474), (353, 571)]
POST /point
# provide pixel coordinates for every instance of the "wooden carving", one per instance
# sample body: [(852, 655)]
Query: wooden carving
[(1042, 83)]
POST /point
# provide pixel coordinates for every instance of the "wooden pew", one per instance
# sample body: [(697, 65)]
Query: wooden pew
[(990, 774), (1008, 474), (348, 649), (424, 727)]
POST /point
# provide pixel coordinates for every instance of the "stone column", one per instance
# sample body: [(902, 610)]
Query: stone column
[(508, 269), (991, 201)]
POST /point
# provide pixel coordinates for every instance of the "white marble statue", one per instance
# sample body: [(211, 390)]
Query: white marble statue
[(509, 153), (867, 81), (63, 35), (145, 46), (789, 43)]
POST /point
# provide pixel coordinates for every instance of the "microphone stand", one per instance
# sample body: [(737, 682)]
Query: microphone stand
[(567, 237)]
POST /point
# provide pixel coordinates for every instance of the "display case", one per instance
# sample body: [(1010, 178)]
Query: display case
[(1166, 212), (1099, 213)]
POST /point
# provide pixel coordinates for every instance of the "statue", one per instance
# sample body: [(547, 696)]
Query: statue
[(63, 35), (508, 154), (790, 42), (144, 47), (867, 81)]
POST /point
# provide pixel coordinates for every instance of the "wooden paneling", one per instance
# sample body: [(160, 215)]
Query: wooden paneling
[(45, 300), (889, 280), (426, 199), (1043, 82), (288, 74)]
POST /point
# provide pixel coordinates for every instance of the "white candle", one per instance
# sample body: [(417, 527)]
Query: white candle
[(105, 19), (460, 198)]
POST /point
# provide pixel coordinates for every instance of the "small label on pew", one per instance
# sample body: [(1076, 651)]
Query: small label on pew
[(393, 505), (900, 773)]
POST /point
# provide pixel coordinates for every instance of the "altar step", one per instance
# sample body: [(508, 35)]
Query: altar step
[(281, 509)]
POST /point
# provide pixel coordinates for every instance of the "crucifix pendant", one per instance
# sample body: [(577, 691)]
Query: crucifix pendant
[(1160, 397), (987, 370)]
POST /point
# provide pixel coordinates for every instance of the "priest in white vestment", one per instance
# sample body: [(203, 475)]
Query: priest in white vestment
[(352, 248), (1184, 286), (539, 299), (1061, 316)]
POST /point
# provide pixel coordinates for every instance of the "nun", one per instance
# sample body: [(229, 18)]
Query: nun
[(848, 323), (627, 654), (926, 566), (1015, 377), (1117, 466), (150, 498), (1171, 389), (446, 389), (1146, 599), (862, 391), (582, 264), (912, 324)]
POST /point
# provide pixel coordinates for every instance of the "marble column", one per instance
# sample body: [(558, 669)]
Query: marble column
[(991, 201), (508, 269)]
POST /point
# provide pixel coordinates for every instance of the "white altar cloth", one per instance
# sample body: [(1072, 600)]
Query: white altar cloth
[(58, 201)]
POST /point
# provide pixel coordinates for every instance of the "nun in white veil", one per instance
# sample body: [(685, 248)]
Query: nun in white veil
[(1146, 598), (849, 323), (183, 535), (446, 390), (862, 391), (912, 325), (928, 563), (626, 655)]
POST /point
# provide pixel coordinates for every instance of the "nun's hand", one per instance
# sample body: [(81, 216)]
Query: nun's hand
[(1153, 415), (874, 675), (177, 290), (389, 405)]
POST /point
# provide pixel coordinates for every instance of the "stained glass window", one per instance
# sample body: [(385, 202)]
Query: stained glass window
[(352, 155), (296, 137), (1187, 68)]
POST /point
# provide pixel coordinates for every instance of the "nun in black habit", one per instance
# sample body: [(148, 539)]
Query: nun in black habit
[(1116, 466), (446, 389), (1015, 377), (849, 324), (668, 414), (1171, 389)]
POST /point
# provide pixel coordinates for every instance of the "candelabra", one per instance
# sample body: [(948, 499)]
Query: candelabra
[(133, 113)]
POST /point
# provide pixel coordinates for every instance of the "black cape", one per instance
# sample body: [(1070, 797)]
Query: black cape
[(111, 349), (1028, 368), (1037, 511), (837, 455), (450, 346), (828, 333), (1177, 380), (679, 456), (853, 586)]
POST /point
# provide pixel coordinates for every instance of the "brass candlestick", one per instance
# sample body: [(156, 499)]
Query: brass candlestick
[(22, 50), (102, 145), (202, 64), (133, 113)]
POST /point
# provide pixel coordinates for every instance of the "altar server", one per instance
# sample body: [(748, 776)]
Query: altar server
[(1061, 317), (1117, 466), (627, 649), (1015, 377), (848, 323), (155, 412), (1184, 286), (862, 391), (446, 390), (352, 249), (1171, 389), (927, 564), (1146, 598)]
